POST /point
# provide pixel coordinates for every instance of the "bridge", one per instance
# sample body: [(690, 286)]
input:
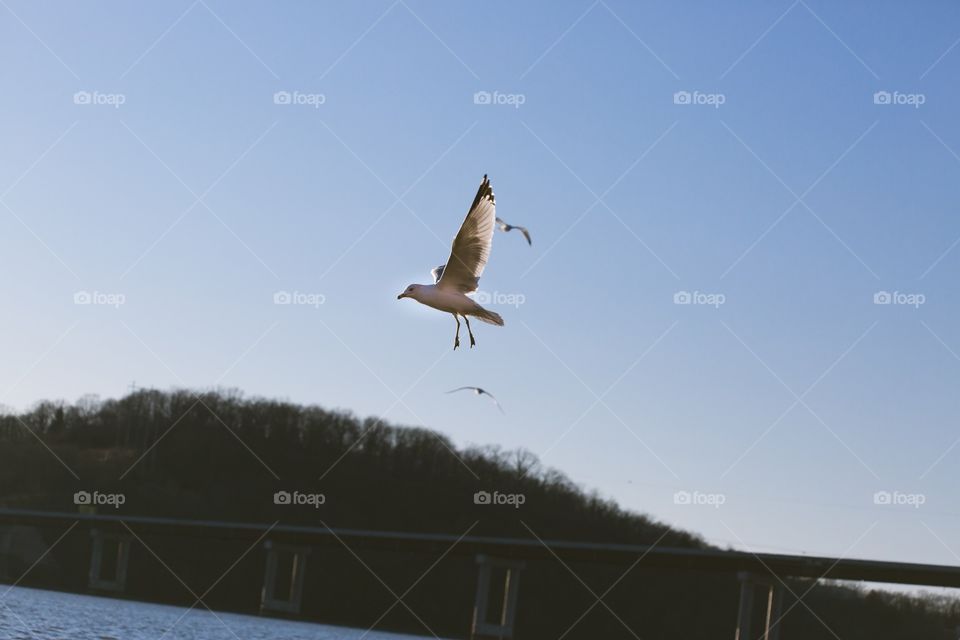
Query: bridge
[(103, 543)]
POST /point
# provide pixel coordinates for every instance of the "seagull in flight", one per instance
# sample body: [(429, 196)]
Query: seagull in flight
[(461, 274), (504, 226), (480, 392)]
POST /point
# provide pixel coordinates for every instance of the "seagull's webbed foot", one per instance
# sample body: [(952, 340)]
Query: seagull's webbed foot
[(456, 337), (456, 342)]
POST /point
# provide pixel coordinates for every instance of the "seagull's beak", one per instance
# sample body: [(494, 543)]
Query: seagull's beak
[(401, 296)]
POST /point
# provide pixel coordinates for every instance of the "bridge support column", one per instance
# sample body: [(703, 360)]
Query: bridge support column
[(773, 602), (290, 595), (501, 624), (6, 546), (109, 558)]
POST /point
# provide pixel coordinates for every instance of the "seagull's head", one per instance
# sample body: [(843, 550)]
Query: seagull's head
[(410, 292)]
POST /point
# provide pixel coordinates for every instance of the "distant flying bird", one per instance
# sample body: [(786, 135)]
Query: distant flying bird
[(461, 274), (480, 392), (510, 227)]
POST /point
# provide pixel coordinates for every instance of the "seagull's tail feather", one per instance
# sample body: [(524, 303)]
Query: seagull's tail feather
[(489, 317)]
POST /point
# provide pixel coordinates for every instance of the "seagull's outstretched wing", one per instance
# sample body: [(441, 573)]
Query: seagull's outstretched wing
[(494, 401), (471, 247), (526, 234)]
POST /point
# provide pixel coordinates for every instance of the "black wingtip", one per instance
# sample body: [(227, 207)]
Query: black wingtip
[(485, 190)]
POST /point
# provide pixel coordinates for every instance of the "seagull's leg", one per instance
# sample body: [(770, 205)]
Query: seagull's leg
[(472, 341), (456, 338)]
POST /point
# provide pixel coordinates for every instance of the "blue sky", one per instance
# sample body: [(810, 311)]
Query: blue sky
[(793, 203)]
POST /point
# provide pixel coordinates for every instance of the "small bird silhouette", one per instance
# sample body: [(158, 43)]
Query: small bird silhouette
[(504, 226), (480, 392)]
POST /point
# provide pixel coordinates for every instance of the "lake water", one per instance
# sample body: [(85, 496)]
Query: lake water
[(32, 614)]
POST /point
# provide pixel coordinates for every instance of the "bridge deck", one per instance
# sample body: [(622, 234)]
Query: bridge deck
[(521, 548)]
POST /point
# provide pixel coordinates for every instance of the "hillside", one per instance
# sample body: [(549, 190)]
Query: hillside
[(215, 456)]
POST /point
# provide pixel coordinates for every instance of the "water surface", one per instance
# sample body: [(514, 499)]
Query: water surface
[(33, 614)]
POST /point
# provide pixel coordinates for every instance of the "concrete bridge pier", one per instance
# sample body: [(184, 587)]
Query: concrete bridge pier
[(773, 603), (500, 624), (289, 598), (109, 559)]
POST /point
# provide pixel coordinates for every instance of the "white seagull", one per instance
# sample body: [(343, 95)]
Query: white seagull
[(461, 274), (480, 392), (505, 226)]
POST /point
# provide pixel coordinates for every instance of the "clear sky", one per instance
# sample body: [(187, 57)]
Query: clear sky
[(146, 161)]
